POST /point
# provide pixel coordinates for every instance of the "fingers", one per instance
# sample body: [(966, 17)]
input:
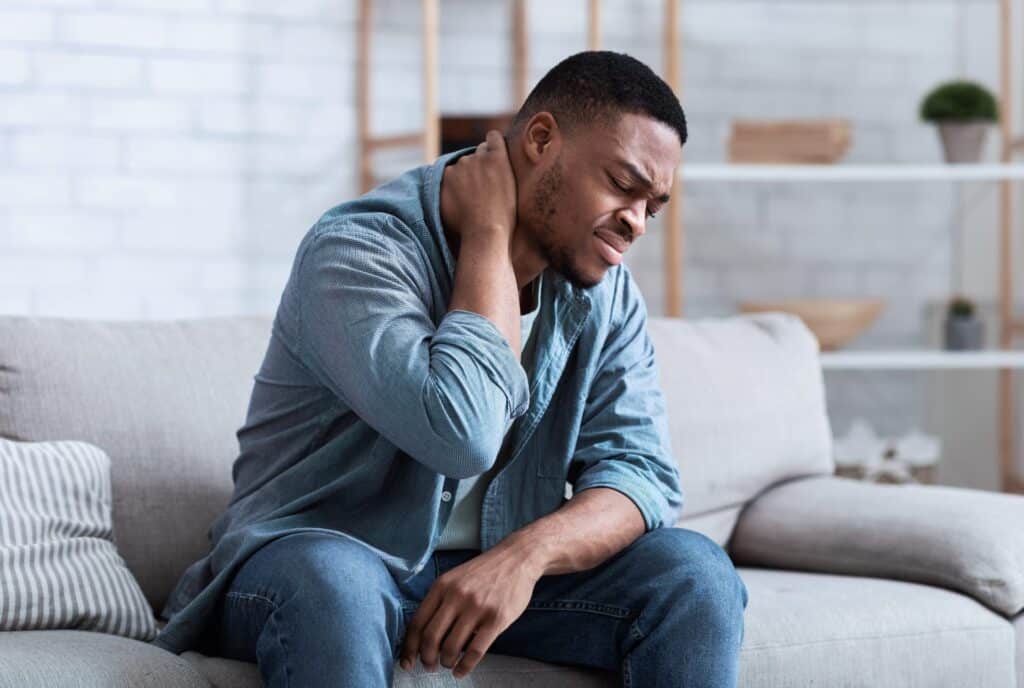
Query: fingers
[(478, 647), (414, 631), (457, 639), (495, 140), (433, 634)]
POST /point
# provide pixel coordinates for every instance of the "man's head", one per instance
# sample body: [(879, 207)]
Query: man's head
[(594, 148)]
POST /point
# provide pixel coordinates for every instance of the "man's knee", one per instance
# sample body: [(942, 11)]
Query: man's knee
[(324, 572), (694, 568)]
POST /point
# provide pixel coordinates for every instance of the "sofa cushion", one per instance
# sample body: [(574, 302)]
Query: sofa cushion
[(58, 562), (808, 629), (964, 539), (162, 398), (48, 659), (746, 407), (493, 671)]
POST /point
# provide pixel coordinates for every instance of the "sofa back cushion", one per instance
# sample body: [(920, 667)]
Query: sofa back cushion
[(162, 398), (746, 410)]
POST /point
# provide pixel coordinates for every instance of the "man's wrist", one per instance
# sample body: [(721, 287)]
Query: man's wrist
[(491, 243), (531, 547)]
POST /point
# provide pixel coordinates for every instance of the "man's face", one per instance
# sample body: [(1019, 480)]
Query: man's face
[(592, 200)]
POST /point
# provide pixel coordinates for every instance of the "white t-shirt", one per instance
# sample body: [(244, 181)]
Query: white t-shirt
[(463, 528)]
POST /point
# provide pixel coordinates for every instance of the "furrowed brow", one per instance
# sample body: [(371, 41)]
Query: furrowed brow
[(635, 172)]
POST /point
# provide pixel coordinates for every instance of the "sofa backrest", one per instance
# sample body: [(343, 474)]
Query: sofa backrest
[(746, 410), (162, 398), (165, 398)]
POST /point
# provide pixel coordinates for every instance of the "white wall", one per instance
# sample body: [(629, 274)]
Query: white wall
[(161, 158)]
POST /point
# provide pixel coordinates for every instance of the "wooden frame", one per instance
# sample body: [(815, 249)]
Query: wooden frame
[(1009, 326), (430, 137)]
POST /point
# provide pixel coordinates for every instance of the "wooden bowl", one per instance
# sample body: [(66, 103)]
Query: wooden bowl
[(833, 321)]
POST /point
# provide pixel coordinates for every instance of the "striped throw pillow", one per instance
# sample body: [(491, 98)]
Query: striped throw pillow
[(59, 567)]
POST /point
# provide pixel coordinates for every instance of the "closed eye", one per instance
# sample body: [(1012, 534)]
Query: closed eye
[(618, 185), (629, 192)]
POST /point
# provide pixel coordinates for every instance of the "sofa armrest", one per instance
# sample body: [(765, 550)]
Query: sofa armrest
[(968, 540)]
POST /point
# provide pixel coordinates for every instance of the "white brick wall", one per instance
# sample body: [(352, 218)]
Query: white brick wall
[(161, 158)]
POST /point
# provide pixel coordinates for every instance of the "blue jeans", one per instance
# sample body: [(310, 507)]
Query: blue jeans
[(315, 609)]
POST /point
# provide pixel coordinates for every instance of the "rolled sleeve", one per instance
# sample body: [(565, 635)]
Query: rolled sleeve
[(445, 395), (624, 442)]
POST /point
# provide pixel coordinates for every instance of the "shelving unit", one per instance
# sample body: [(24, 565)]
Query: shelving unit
[(921, 359), (1005, 173), (850, 173)]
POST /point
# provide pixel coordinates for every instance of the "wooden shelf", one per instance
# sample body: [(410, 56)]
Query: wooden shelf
[(921, 359), (849, 173)]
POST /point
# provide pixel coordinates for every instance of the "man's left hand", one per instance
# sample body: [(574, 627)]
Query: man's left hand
[(467, 608)]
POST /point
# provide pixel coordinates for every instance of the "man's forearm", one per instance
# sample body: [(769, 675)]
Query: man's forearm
[(594, 525), (485, 283)]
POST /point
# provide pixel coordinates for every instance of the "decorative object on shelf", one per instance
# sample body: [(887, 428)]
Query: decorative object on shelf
[(921, 454), (833, 321), (862, 455), (463, 131), (964, 329), (890, 470), (808, 141), (858, 451), (963, 111)]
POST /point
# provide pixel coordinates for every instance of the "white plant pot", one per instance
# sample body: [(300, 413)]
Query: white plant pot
[(962, 142)]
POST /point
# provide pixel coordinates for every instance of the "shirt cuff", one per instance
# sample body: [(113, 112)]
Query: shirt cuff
[(620, 476)]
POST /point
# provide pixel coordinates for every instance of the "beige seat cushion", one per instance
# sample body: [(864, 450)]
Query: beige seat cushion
[(86, 659), (812, 629)]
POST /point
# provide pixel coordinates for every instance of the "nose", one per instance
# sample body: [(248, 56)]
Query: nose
[(634, 220)]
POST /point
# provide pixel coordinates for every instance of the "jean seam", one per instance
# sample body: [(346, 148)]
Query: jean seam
[(274, 612), (582, 606), (280, 642), (251, 596)]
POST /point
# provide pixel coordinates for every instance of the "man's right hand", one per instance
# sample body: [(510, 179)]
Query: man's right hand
[(482, 190)]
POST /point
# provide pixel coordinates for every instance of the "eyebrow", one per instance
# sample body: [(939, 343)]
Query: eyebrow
[(641, 177)]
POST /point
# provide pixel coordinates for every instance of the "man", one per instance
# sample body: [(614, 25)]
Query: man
[(400, 492)]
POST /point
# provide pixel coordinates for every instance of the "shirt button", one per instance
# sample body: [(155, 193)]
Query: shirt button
[(446, 496)]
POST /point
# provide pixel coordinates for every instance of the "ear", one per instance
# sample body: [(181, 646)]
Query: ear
[(541, 137)]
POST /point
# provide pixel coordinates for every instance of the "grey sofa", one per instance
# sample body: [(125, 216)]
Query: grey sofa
[(851, 584)]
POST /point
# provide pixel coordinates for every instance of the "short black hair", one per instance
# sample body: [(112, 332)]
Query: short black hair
[(597, 84)]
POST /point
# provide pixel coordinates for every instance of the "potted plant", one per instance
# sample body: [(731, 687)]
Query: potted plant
[(963, 110), (964, 330)]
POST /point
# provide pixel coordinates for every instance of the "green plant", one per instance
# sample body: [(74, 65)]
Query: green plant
[(959, 101), (961, 307)]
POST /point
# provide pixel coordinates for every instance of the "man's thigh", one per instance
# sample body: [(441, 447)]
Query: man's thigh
[(326, 584), (594, 617)]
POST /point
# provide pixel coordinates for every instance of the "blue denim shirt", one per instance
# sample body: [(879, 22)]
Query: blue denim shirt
[(372, 400)]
